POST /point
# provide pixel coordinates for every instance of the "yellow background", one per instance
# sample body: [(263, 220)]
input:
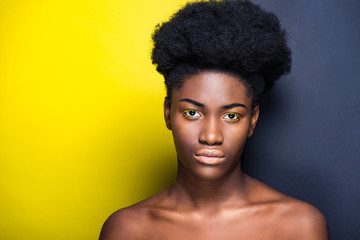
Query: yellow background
[(81, 123)]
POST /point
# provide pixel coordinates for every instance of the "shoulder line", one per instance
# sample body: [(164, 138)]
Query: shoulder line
[(307, 221), (122, 224)]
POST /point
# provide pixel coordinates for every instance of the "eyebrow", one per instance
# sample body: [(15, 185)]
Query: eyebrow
[(192, 102), (232, 105)]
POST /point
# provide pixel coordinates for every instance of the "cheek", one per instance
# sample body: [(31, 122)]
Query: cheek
[(184, 134), (235, 138)]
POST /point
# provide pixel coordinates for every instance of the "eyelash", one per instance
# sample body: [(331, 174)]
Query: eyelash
[(235, 119), (187, 113)]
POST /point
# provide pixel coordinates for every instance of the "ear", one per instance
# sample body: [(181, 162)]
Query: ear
[(254, 119), (167, 105)]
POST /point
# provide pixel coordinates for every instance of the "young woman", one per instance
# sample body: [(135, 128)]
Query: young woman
[(217, 58)]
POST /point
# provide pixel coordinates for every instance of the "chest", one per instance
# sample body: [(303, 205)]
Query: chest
[(218, 229)]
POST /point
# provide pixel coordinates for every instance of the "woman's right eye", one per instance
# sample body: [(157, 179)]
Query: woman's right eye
[(192, 114)]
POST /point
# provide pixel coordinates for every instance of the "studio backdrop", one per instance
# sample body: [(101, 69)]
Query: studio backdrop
[(81, 123)]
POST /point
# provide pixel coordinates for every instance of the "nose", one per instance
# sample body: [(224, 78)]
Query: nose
[(211, 133)]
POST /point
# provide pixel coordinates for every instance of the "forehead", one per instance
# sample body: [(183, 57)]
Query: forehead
[(214, 88)]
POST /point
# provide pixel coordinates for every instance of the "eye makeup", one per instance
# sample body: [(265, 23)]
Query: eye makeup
[(191, 114), (231, 117)]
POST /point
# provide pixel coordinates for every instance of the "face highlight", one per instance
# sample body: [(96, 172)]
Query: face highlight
[(211, 117)]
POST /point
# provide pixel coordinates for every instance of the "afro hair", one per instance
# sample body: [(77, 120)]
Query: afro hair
[(233, 36)]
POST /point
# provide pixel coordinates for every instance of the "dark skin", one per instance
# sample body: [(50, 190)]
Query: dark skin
[(211, 116)]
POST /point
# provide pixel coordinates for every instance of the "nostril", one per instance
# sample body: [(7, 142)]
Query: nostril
[(211, 139), (211, 133)]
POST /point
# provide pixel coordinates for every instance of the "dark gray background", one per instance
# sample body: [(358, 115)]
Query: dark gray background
[(307, 142)]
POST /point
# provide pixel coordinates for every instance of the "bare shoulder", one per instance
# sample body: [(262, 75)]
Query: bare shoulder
[(299, 219), (121, 224), (306, 221), (132, 222)]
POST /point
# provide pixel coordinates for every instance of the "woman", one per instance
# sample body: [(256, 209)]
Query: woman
[(217, 58)]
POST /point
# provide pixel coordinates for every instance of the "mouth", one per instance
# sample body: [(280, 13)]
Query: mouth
[(209, 156)]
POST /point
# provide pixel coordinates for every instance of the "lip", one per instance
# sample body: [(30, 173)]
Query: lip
[(209, 156)]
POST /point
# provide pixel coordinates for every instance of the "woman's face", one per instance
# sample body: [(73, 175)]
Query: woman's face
[(210, 117)]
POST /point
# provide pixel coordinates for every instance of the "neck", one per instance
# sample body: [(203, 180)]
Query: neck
[(204, 194)]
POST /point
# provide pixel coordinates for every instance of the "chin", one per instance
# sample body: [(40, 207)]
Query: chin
[(210, 172)]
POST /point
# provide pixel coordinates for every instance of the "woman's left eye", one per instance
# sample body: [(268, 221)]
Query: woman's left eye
[(233, 117)]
